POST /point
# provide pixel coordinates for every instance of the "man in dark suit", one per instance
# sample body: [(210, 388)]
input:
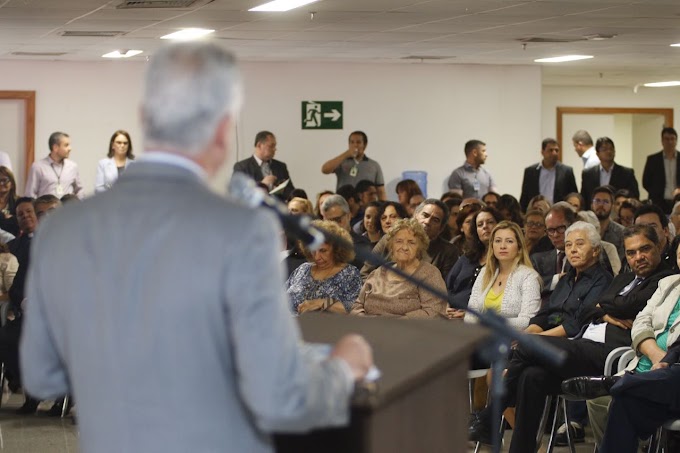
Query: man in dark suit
[(608, 173), (606, 326), (552, 264), (262, 166), (658, 168), (550, 177)]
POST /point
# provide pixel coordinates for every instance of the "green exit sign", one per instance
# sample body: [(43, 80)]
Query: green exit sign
[(322, 114)]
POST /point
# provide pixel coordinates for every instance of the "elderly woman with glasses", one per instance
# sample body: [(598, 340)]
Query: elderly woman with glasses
[(386, 293)]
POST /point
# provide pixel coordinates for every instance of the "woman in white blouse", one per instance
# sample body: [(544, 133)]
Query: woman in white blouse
[(507, 283), (120, 154)]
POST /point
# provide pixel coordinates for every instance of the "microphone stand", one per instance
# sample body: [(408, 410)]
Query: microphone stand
[(496, 352)]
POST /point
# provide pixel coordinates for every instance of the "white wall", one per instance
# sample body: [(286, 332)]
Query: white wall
[(417, 117)]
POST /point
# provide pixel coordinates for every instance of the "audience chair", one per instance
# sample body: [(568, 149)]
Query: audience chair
[(4, 310)]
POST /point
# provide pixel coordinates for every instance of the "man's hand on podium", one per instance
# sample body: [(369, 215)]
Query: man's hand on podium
[(356, 352)]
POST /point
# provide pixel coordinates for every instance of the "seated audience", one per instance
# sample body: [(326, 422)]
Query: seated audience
[(534, 232), (320, 198), (299, 206), (350, 195), (372, 222), (610, 231), (572, 305), (462, 277), (609, 256), (299, 193), (387, 294), (626, 212), (576, 201), (328, 282), (451, 194), (509, 208), (491, 199), (507, 283), (336, 209), (463, 222), (652, 330), (552, 264), (413, 203), (8, 198), (432, 215), (539, 203), (389, 213), (620, 196), (405, 189), (451, 229), (8, 270)]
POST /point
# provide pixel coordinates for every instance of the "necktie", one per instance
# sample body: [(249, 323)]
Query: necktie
[(560, 262), (631, 286), (266, 168)]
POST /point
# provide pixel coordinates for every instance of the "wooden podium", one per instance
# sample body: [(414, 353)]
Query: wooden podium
[(420, 404)]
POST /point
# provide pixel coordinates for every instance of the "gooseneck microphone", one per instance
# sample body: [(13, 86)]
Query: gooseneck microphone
[(243, 188)]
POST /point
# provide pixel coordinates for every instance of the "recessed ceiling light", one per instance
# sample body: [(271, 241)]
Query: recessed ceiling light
[(670, 83), (122, 54), (563, 59), (677, 44), (188, 34), (282, 5)]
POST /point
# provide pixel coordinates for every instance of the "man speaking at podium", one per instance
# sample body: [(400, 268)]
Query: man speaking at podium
[(167, 344)]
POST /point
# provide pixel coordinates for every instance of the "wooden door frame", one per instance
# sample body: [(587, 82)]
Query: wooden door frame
[(28, 98), (667, 113)]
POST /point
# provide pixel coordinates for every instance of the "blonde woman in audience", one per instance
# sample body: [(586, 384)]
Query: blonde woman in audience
[(327, 282), (388, 294), (507, 284), (118, 158), (299, 206), (540, 203)]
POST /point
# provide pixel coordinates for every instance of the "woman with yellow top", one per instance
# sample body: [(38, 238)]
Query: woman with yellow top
[(507, 284)]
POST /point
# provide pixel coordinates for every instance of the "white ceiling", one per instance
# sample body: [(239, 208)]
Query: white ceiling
[(456, 31)]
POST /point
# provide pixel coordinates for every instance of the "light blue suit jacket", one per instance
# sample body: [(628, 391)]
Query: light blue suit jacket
[(167, 344), (107, 174)]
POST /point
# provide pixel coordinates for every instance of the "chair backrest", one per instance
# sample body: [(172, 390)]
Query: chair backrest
[(622, 356)]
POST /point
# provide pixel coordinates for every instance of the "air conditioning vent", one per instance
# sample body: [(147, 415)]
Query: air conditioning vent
[(425, 57), (156, 4), (39, 54), (91, 34), (539, 39)]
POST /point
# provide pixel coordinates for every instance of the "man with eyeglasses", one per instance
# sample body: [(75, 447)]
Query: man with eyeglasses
[(610, 231), (552, 264)]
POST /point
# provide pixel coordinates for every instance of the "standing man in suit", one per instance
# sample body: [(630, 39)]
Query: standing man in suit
[(550, 177), (661, 175), (583, 145), (129, 324), (607, 173), (262, 166)]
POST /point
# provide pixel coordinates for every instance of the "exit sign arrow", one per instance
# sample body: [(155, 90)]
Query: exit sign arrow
[(333, 114)]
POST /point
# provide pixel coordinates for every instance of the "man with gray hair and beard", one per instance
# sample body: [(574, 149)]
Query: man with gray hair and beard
[(127, 337)]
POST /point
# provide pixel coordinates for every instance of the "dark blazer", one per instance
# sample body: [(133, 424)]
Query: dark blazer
[(251, 168), (545, 264), (624, 307), (622, 178), (565, 183), (654, 177)]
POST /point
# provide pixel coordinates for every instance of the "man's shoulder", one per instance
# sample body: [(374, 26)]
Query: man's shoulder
[(564, 167), (655, 156), (244, 162)]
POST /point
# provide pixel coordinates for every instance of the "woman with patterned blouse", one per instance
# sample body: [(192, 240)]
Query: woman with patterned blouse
[(328, 282)]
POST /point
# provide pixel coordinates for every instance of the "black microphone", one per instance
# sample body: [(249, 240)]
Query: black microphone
[(244, 188)]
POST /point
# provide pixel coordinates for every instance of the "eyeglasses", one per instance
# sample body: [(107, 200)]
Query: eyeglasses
[(559, 230), (4, 181), (600, 201), (535, 225)]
